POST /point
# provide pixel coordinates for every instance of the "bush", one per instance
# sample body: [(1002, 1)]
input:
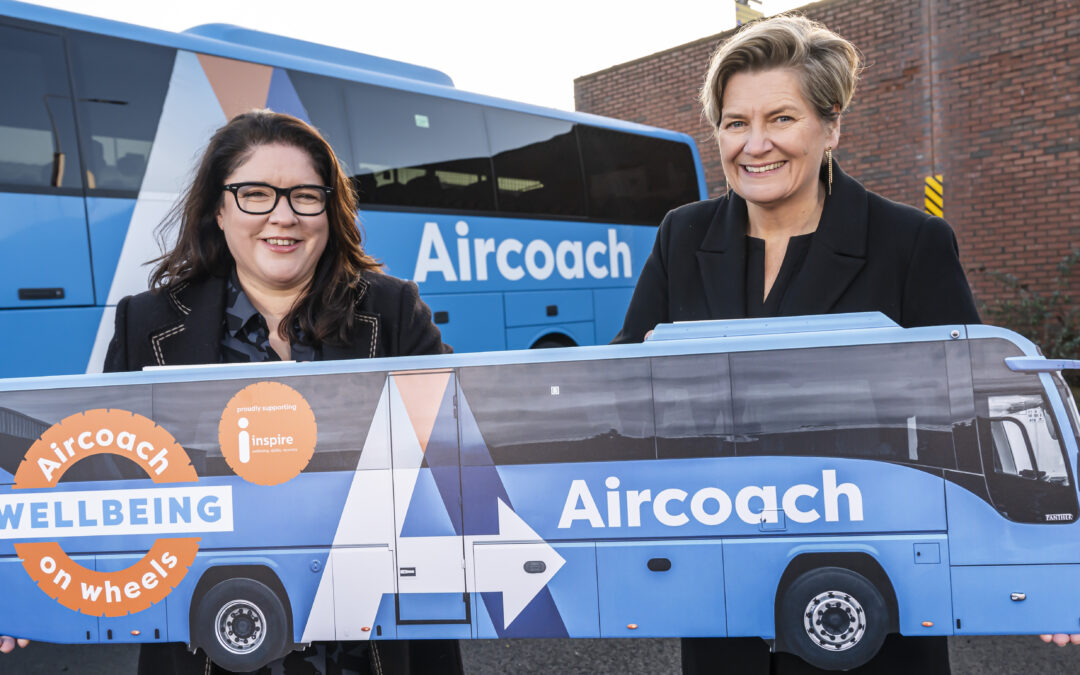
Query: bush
[(1050, 319)]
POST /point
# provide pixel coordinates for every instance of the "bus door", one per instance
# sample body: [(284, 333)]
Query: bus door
[(427, 500), (44, 243), (1015, 546)]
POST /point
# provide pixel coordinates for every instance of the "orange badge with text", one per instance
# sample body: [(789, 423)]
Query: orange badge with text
[(149, 580), (267, 433)]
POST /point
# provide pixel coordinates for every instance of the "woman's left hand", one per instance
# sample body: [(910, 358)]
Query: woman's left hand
[(1062, 639)]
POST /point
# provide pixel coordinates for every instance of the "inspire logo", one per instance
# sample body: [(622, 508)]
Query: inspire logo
[(267, 433), (58, 514)]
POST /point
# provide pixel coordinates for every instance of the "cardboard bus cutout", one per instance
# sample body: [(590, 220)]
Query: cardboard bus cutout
[(815, 481)]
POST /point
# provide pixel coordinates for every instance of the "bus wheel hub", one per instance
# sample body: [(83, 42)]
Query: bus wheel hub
[(834, 620)]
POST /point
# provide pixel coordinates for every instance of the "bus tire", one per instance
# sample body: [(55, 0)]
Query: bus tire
[(833, 618), (241, 624)]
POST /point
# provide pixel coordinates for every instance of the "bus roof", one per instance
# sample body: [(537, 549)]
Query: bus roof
[(275, 50), (238, 35), (691, 330), (835, 330)]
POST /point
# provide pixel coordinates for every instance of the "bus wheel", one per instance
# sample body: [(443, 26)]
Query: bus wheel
[(553, 342), (241, 624), (833, 618)]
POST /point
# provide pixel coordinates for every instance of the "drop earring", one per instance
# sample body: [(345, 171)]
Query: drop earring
[(828, 157)]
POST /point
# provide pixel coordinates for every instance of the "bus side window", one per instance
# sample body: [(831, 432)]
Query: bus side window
[(422, 151), (118, 116), (344, 406), (37, 125), (692, 399), (887, 402), (635, 179), (1027, 475), (25, 415), (537, 169), (576, 411)]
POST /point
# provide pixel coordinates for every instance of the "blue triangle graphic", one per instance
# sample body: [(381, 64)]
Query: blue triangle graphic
[(483, 486), (540, 618), (474, 451), (282, 96), (427, 515), (441, 456)]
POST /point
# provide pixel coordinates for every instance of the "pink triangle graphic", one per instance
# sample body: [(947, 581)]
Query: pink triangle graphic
[(422, 393), (238, 85)]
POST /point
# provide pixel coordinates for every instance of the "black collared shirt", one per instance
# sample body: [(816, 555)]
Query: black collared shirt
[(794, 257), (246, 337)]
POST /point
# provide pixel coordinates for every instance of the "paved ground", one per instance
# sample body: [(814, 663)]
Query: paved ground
[(970, 656)]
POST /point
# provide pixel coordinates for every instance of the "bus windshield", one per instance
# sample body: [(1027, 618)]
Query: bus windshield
[(1024, 438), (1070, 404)]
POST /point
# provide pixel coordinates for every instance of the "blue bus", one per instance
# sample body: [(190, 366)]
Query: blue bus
[(522, 226), (819, 482)]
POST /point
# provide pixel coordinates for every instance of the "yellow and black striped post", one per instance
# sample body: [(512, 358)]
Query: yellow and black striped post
[(935, 195)]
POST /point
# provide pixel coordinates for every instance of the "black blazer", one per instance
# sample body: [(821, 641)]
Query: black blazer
[(868, 254), (183, 325)]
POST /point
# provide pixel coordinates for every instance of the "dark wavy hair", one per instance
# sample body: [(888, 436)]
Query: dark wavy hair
[(324, 310)]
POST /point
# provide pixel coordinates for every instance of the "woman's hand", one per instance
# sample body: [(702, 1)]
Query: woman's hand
[(7, 643), (1062, 639)]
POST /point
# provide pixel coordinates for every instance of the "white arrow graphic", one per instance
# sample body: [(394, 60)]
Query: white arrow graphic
[(518, 570), (370, 558), (497, 560)]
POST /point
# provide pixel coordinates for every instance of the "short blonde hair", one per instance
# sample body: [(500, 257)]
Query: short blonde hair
[(827, 64)]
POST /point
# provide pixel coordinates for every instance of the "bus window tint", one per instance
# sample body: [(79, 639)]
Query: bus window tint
[(118, 116), (581, 411), (884, 402), (692, 399), (1027, 475), (536, 164), (418, 151), (37, 127), (635, 179)]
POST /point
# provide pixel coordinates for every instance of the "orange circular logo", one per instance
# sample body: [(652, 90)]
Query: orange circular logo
[(76, 437), (267, 433)]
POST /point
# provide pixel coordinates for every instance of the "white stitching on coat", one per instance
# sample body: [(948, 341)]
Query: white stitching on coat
[(156, 340), (374, 333), (173, 293)]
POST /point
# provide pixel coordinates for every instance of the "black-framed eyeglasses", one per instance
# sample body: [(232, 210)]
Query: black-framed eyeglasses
[(261, 198)]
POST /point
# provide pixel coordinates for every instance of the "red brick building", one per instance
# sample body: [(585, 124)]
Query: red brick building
[(984, 92)]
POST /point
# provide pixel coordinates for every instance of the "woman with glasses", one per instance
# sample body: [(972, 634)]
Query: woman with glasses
[(268, 266)]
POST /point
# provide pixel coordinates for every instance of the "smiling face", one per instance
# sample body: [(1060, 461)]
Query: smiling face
[(772, 141), (277, 251)]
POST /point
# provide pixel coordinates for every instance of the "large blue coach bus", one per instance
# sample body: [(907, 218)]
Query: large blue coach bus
[(815, 481), (523, 226)]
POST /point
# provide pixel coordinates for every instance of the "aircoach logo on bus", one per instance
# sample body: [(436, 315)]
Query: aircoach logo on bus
[(56, 514), (513, 259), (710, 505)]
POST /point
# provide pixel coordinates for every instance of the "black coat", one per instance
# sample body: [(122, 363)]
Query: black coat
[(868, 254), (183, 325)]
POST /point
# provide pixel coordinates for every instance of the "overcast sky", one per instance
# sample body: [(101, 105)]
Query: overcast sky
[(521, 51)]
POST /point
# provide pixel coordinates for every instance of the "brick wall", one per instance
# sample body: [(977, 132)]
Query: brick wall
[(985, 92)]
